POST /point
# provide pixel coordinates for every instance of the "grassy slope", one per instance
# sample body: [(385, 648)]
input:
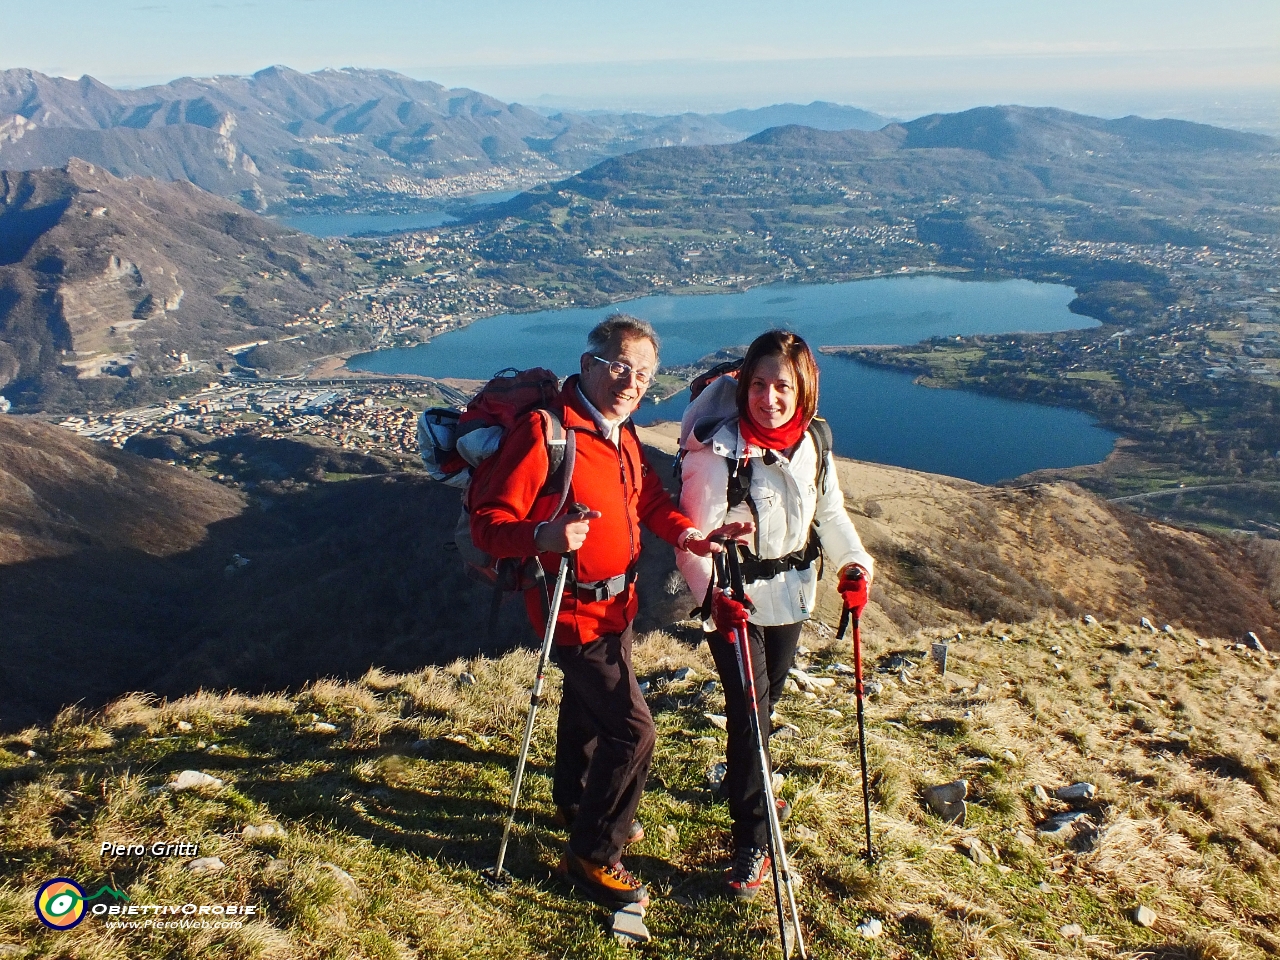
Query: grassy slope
[(407, 799)]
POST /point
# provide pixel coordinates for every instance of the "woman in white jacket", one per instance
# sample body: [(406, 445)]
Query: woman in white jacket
[(766, 457)]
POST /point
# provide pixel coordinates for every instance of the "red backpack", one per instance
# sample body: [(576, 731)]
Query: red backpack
[(458, 447)]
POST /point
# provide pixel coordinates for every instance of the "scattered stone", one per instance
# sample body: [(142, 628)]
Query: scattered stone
[(822, 683), (1167, 628), (1009, 757), (808, 695), (32, 755), (1071, 931), (1076, 792), (1252, 642), (264, 831), (784, 731), (958, 682), (1004, 638), (1023, 840), (1090, 619), (467, 679), (206, 865), (200, 744), (683, 674), (183, 726), (804, 833), (946, 800), (898, 662), (715, 776), (194, 780), (870, 928), (627, 926), (717, 720), (834, 714), (275, 868), (1045, 887), (873, 688), (320, 726), (843, 669), (790, 686), (644, 688), (778, 781), (213, 748), (1144, 917), (1056, 651), (1065, 827), (1041, 794), (1202, 644), (977, 852), (346, 882), (709, 688)]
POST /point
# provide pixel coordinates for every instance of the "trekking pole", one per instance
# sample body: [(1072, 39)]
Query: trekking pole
[(856, 616), (495, 874), (732, 580)]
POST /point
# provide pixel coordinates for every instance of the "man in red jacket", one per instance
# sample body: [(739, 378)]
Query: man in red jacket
[(605, 735)]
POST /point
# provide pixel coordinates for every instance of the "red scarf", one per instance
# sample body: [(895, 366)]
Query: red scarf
[(773, 438)]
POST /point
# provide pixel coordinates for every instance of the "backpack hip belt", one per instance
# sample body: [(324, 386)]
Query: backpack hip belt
[(595, 590), (754, 568)]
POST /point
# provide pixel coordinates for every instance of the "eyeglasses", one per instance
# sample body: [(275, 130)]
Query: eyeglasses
[(621, 371)]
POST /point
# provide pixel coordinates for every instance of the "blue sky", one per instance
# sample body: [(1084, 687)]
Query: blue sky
[(900, 57)]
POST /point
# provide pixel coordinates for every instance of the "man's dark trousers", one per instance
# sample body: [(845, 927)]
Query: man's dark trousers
[(604, 744)]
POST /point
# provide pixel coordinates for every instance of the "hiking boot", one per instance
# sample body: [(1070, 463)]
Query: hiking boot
[(564, 817), (743, 879), (611, 885)]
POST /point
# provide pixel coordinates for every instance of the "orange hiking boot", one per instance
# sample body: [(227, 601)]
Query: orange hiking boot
[(609, 885)]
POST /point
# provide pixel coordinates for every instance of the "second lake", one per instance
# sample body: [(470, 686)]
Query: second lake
[(875, 415)]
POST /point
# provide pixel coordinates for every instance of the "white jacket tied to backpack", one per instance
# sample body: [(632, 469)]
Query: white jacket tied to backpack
[(787, 507)]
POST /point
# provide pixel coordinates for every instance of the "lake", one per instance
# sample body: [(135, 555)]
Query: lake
[(875, 415), (360, 224)]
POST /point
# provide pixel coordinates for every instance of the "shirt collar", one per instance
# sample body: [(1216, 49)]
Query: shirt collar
[(608, 428)]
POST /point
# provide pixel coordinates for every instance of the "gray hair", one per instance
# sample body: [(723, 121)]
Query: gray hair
[(621, 326)]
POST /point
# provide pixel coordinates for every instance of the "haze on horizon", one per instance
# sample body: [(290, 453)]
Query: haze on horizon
[(1211, 62)]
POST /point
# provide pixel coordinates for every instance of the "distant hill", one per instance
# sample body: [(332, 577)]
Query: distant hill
[(104, 550), (101, 276), (820, 115), (1043, 133)]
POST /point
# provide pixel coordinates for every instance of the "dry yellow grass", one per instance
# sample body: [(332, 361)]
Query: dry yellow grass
[(388, 818)]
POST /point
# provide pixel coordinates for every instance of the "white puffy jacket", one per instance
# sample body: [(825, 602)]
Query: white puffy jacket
[(786, 500)]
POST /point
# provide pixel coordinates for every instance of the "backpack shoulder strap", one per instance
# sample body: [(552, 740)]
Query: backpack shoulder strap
[(561, 455), (820, 430)]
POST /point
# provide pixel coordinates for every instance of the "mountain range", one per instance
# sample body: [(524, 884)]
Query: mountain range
[(280, 137)]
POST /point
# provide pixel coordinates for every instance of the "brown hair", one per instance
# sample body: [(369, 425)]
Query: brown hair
[(785, 344)]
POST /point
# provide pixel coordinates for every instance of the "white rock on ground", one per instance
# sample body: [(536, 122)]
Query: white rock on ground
[(183, 726), (627, 926), (1144, 917), (262, 831), (684, 673), (206, 865), (321, 726), (346, 882), (870, 928), (717, 720), (977, 851), (1071, 931), (194, 780)]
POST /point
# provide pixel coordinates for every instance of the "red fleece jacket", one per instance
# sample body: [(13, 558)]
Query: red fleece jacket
[(615, 480)]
